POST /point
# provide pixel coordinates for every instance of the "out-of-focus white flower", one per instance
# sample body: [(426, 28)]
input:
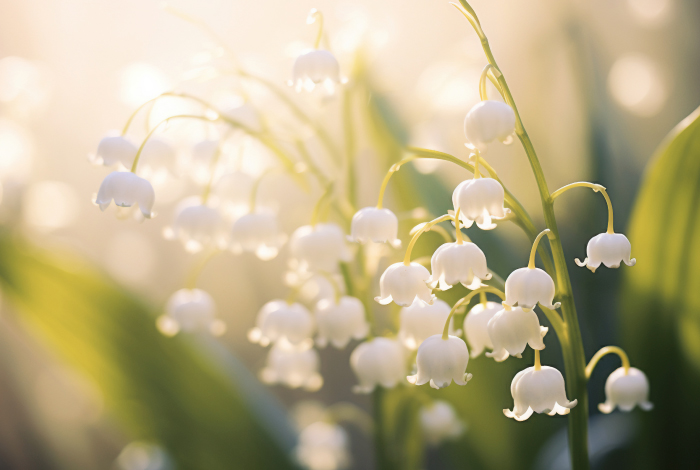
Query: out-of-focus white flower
[(320, 247), (197, 227), (539, 391), (323, 446), (375, 225), (257, 233), (404, 284), (488, 121), (480, 200), (610, 249), (476, 326), (126, 189), (244, 114), (441, 361), (440, 422), (339, 322), (316, 67), (511, 330), (626, 389), (452, 263), (312, 287), (526, 287), (115, 150), (278, 320), (420, 320), (190, 310), (157, 158), (200, 165), (379, 361), (234, 192), (293, 366)]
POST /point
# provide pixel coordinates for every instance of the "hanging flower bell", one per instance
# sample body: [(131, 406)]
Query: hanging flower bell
[(511, 330), (339, 322), (372, 224), (279, 320), (115, 150), (293, 366), (378, 362), (258, 233), (404, 284), (610, 249), (626, 389), (441, 361), (480, 200), (538, 391), (197, 227), (476, 326), (190, 310), (319, 247), (421, 320), (126, 189), (488, 121), (454, 263), (439, 422)]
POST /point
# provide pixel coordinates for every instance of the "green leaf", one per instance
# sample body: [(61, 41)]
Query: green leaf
[(191, 397)]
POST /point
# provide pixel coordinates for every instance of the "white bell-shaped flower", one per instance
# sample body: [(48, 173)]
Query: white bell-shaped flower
[(441, 361), (320, 247), (200, 164), (626, 389), (339, 322), (439, 422), (404, 284), (197, 227), (157, 159), (323, 446), (479, 200), (234, 190), (312, 287), (316, 67), (420, 320), (279, 320), (257, 232), (375, 225), (126, 189), (610, 249), (190, 310), (476, 326), (538, 391), (453, 262), (378, 362), (488, 121), (526, 287), (511, 330), (292, 365), (115, 150)]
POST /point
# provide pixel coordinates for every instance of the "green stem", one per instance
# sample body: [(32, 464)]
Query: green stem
[(381, 455)]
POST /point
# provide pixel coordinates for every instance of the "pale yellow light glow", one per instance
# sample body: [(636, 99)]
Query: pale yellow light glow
[(651, 12), (140, 82), (49, 205), (449, 86), (636, 84), (15, 150), (130, 257), (23, 82)]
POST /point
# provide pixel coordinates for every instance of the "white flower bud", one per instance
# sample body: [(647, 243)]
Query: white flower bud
[(293, 366), (511, 330), (525, 287), (320, 247), (323, 446), (420, 320), (197, 227), (539, 391), (126, 189), (476, 326), (626, 390), (479, 200), (315, 67), (279, 320), (440, 361), (190, 310), (375, 225), (610, 249), (488, 121), (452, 263), (257, 233), (404, 284), (115, 150), (158, 157), (379, 361), (339, 322), (234, 190), (440, 422)]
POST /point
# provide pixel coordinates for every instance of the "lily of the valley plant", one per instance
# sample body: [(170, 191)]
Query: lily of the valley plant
[(328, 306)]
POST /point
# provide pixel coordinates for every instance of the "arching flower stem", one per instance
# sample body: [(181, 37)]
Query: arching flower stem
[(538, 364), (465, 300), (604, 351), (492, 74), (316, 16), (416, 236), (256, 186), (533, 251), (594, 187), (212, 173), (316, 214), (393, 169)]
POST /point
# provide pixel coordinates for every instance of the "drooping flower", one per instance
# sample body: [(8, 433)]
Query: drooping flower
[(511, 330), (441, 361), (190, 310), (157, 159), (200, 165), (375, 225), (319, 247), (453, 262), (339, 322), (233, 190), (258, 233), (610, 249), (476, 326), (323, 446), (480, 200), (115, 150), (538, 391), (378, 361), (487, 121), (404, 284), (526, 287), (279, 320), (625, 390), (315, 67), (197, 227), (293, 366), (440, 422), (313, 287), (420, 320), (126, 189)]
